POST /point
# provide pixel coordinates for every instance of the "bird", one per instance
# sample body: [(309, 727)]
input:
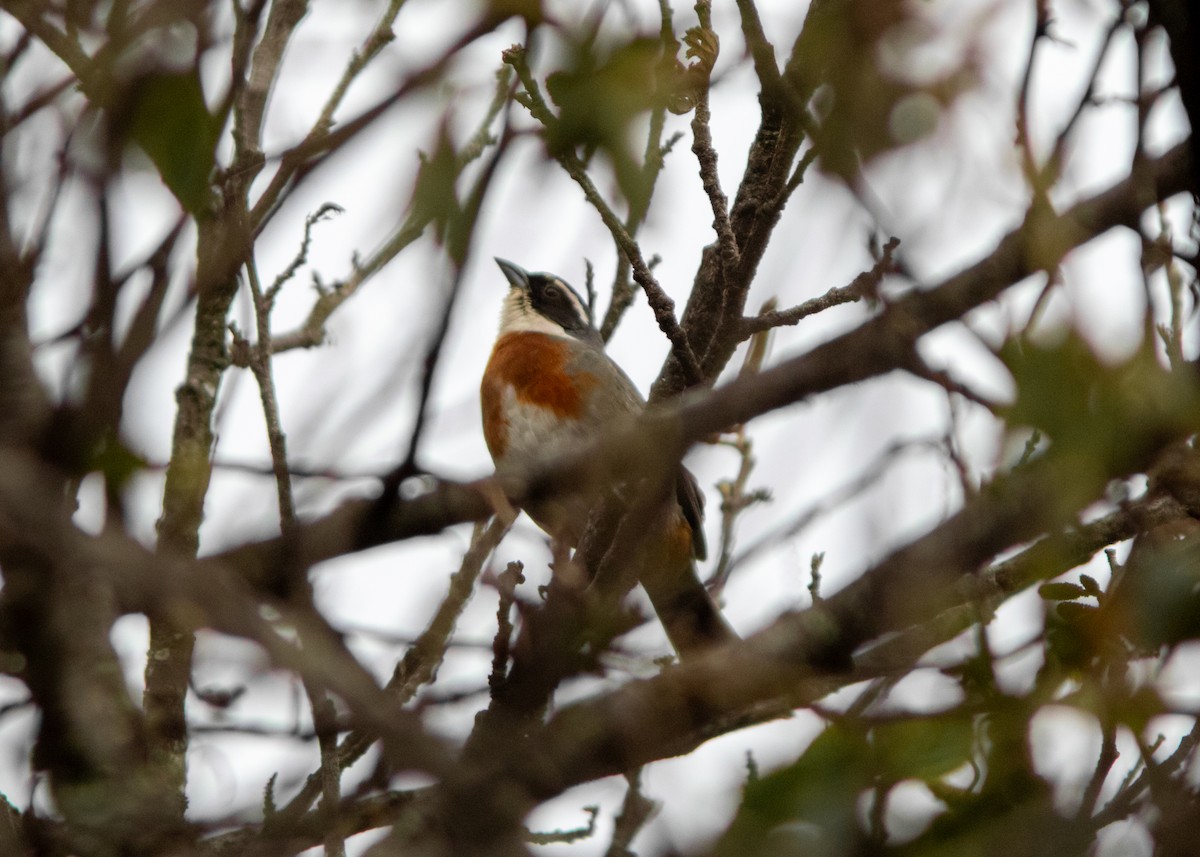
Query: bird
[(549, 389)]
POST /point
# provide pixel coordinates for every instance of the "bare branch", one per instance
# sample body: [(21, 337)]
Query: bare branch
[(865, 285), (660, 302)]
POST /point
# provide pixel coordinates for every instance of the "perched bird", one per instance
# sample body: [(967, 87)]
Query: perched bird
[(549, 389)]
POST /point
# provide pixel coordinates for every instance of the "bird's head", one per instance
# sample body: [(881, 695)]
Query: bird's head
[(544, 303)]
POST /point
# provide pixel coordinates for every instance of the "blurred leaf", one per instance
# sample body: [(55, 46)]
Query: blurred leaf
[(600, 98), (117, 462), (874, 89), (808, 807), (923, 748), (1106, 418), (435, 195), (1157, 602), (168, 119)]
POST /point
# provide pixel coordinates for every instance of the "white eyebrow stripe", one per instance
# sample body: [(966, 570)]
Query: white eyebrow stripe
[(580, 308)]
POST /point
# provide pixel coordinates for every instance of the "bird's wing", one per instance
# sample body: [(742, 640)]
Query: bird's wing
[(616, 396)]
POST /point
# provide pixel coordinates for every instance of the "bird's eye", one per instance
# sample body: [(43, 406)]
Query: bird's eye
[(552, 292)]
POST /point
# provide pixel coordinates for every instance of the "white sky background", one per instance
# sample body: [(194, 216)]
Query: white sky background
[(348, 406)]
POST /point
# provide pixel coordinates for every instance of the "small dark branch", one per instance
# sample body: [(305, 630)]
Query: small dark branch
[(381, 34), (1108, 757), (652, 163), (950, 444), (297, 163), (506, 585), (865, 285), (636, 810), (35, 247), (761, 50), (31, 17), (311, 332), (797, 177), (589, 285), (326, 726), (245, 35), (1053, 166), (38, 102), (1024, 143), (1053, 281), (565, 837), (142, 332), (1179, 20), (702, 45), (251, 104), (660, 302), (420, 662), (326, 211), (260, 365), (458, 242), (1161, 253), (917, 367), (323, 712), (734, 500), (1139, 779)]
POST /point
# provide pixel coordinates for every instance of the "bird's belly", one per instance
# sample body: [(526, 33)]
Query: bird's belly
[(536, 434)]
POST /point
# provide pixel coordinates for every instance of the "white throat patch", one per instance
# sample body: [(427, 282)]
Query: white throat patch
[(517, 315)]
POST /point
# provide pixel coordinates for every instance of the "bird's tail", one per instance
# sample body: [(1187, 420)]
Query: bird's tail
[(687, 611)]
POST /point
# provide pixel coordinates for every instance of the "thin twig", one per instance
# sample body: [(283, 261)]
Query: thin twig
[(660, 302), (653, 159), (323, 712), (865, 285), (1107, 758), (506, 586), (702, 44), (310, 333), (870, 474), (381, 34), (1024, 143), (636, 810), (420, 662), (297, 162)]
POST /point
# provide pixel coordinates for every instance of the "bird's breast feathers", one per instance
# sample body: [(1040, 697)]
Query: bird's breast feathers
[(531, 397)]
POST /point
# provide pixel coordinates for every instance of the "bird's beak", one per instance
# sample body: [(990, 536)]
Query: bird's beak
[(517, 276)]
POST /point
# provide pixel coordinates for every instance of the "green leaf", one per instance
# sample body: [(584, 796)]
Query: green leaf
[(170, 122), (1157, 602), (1106, 419), (923, 748), (117, 462), (435, 196), (814, 799), (600, 95)]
